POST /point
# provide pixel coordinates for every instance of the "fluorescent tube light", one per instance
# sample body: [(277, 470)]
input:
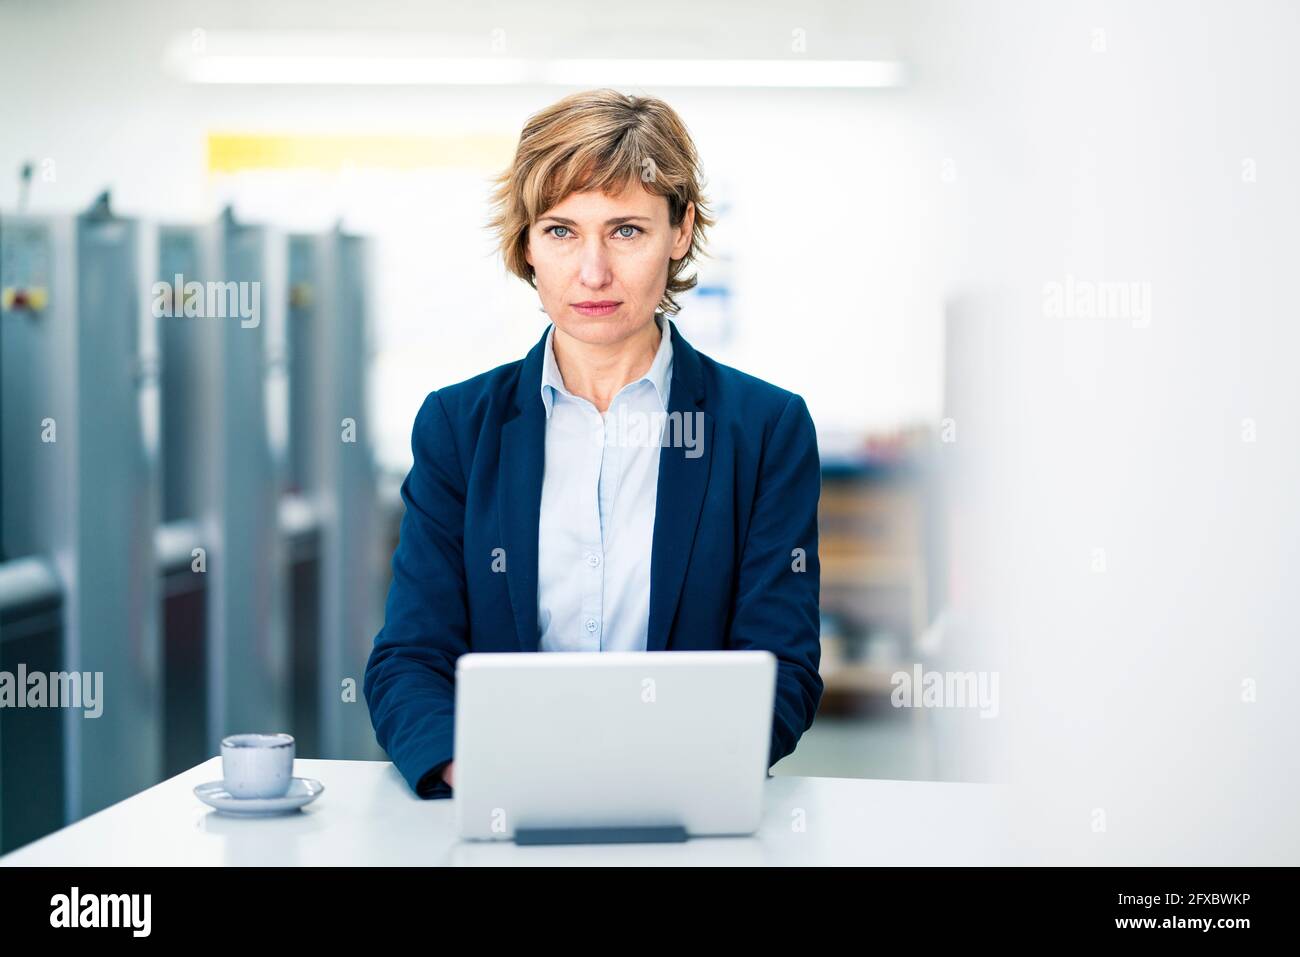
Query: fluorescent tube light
[(275, 69)]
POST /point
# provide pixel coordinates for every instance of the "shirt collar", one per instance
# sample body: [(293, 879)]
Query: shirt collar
[(658, 375)]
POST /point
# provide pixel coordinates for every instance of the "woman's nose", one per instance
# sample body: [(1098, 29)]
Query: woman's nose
[(595, 265)]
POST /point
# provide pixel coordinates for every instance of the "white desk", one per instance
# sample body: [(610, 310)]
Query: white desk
[(368, 816)]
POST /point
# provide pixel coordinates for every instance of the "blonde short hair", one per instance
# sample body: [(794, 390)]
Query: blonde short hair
[(600, 139)]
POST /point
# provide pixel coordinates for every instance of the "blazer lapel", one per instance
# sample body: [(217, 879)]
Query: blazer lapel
[(680, 496), (519, 493)]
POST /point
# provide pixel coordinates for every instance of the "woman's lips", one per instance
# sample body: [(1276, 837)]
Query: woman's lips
[(597, 308)]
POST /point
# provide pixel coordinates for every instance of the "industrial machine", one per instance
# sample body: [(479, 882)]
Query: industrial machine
[(188, 513)]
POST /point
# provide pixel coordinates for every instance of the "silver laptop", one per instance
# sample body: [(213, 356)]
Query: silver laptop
[(577, 747)]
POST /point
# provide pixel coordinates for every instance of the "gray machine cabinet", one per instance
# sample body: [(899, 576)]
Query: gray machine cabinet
[(80, 478)]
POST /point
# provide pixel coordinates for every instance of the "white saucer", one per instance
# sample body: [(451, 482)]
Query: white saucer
[(301, 791)]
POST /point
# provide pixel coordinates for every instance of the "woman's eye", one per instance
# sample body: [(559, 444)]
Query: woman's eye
[(634, 231), (553, 232)]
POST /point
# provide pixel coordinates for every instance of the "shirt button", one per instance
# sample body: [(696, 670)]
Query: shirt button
[(591, 624), (593, 559)]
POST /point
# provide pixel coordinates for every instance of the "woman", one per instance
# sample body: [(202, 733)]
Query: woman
[(614, 489)]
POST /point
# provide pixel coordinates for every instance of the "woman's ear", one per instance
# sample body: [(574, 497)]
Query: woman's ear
[(682, 242)]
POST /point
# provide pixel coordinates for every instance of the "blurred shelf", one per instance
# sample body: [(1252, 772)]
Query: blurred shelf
[(862, 678), (871, 545)]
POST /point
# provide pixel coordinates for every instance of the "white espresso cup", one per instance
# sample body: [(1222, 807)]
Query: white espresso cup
[(257, 765)]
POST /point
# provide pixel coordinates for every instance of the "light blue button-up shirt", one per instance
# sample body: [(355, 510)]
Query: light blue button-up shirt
[(597, 519)]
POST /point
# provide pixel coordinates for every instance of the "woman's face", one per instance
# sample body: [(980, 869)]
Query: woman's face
[(600, 261)]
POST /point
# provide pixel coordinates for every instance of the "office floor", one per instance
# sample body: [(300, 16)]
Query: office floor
[(897, 746)]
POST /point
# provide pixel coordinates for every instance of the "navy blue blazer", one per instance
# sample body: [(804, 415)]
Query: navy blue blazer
[(733, 562)]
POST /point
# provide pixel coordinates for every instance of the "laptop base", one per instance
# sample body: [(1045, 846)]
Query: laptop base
[(600, 835)]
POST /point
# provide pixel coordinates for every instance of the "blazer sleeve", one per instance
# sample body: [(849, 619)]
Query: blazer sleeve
[(410, 675), (779, 579)]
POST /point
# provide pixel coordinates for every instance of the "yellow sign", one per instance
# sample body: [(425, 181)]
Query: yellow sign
[(239, 152)]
